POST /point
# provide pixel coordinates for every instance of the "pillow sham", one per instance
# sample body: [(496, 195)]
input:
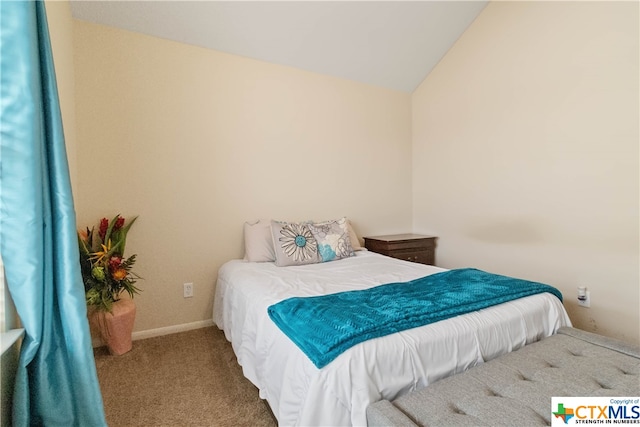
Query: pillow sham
[(258, 243), (333, 239), (293, 243)]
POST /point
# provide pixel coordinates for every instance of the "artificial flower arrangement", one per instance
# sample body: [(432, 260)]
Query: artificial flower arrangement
[(106, 273)]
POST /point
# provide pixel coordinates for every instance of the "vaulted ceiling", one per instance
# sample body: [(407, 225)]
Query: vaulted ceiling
[(392, 44)]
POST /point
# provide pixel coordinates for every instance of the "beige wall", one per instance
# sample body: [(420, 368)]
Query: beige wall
[(525, 153), (195, 142), (61, 34)]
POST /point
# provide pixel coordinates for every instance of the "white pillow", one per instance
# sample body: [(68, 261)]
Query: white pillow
[(355, 242), (258, 243)]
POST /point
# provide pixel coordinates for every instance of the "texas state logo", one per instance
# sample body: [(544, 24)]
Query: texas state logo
[(595, 410), (565, 414)]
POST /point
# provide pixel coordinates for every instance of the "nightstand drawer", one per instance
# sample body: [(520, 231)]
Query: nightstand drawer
[(408, 247), (422, 257)]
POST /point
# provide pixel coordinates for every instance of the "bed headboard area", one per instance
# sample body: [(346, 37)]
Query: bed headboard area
[(299, 243)]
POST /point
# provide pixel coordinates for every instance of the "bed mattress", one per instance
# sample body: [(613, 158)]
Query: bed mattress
[(383, 368)]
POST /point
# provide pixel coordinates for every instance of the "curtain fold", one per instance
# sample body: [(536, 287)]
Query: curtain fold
[(56, 380)]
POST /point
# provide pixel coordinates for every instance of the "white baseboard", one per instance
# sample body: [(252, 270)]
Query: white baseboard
[(167, 330)]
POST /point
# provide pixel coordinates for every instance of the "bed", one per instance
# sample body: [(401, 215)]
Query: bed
[(383, 368)]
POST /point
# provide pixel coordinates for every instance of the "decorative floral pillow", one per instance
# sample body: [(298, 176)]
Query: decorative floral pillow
[(333, 239), (294, 243)]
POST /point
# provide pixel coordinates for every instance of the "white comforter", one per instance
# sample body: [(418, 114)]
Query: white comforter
[(383, 368)]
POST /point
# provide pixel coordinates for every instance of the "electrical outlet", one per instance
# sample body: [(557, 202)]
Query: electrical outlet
[(188, 290), (584, 300)]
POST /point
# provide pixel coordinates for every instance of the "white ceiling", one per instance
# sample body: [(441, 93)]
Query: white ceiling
[(393, 44)]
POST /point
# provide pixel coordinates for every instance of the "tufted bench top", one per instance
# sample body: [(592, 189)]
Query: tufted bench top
[(520, 384)]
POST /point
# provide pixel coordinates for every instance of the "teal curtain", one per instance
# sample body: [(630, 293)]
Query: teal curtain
[(56, 382)]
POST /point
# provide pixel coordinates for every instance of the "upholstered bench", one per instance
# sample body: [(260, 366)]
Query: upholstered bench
[(516, 388)]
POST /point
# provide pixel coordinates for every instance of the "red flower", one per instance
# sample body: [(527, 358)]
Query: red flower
[(114, 262), (119, 223), (104, 224)]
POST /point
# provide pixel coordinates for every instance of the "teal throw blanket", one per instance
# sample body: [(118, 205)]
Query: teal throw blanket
[(325, 326)]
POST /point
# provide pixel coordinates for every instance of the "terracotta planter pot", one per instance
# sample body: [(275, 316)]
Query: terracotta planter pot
[(116, 327)]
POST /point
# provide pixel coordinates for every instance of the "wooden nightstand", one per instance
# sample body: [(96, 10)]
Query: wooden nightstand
[(409, 247)]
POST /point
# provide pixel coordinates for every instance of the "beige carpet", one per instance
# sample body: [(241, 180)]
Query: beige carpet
[(186, 379)]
